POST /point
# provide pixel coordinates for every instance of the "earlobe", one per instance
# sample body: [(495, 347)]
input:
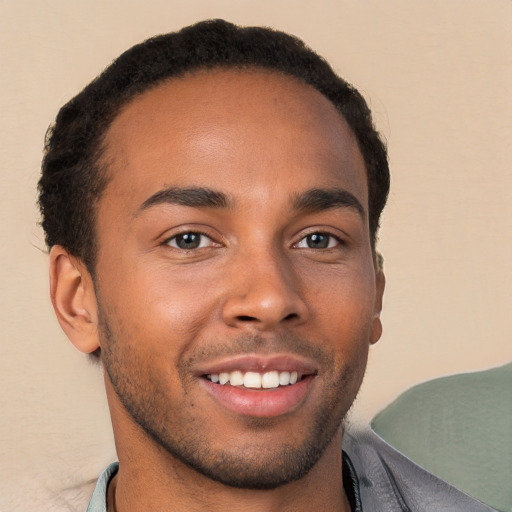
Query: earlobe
[(74, 300), (380, 283)]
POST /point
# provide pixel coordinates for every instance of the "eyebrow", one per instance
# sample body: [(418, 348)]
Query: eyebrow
[(319, 199), (313, 200), (195, 197)]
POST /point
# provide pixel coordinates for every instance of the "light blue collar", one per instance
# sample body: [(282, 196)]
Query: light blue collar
[(98, 501)]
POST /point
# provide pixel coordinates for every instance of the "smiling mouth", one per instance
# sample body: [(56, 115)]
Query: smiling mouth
[(255, 380), (260, 386)]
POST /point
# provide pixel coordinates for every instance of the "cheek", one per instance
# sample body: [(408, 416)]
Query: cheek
[(157, 312), (342, 299), (343, 309)]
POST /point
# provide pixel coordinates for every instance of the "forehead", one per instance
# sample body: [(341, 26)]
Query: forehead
[(241, 128)]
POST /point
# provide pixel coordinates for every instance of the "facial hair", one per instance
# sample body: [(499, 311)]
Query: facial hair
[(176, 428)]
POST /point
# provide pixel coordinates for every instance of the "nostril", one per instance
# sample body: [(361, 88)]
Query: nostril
[(245, 318)]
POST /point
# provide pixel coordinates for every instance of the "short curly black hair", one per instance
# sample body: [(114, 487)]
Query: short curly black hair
[(73, 174)]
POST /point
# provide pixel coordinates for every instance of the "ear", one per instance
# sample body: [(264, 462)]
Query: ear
[(74, 299), (380, 283)]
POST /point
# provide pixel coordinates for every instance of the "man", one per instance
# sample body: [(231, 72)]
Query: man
[(212, 203)]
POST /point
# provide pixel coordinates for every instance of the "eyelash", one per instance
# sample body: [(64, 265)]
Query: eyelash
[(168, 241), (331, 238)]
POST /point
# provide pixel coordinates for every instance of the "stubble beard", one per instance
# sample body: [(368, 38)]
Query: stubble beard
[(182, 435)]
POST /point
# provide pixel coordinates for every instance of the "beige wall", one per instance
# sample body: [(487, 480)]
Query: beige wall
[(438, 75)]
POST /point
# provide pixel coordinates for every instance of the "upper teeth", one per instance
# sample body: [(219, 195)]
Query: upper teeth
[(267, 380)]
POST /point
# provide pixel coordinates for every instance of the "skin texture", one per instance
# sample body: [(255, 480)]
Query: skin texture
[(257, 287)]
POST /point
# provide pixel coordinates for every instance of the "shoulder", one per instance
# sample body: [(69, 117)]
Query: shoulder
[(389, 481), (449, 396), (458, 427)]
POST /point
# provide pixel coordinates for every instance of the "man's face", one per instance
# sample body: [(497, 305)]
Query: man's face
[(233, 244)]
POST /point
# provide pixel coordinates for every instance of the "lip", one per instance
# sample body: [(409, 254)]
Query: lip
[(259, 363), (260, 403)]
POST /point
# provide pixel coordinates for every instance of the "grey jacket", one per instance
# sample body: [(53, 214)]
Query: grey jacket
[(387, 481)]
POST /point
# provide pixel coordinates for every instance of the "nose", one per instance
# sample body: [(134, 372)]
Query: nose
[(264, 294)]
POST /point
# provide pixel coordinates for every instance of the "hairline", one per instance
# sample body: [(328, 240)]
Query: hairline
[(104, 157)]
